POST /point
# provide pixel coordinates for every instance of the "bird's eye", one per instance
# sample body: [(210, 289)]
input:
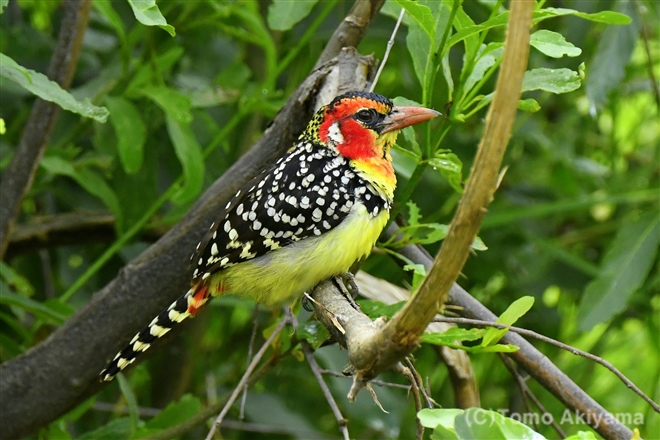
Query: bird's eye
[(367, 116)]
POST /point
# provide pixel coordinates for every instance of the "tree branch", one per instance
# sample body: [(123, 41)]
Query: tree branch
[(351, 30), (382, 346), (19, 175), (56, 375), (67, 229), (375, 346)]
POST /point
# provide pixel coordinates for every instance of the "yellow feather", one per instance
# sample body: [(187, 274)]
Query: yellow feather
[(299, 266)]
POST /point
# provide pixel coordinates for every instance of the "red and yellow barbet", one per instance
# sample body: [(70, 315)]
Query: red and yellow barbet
[(308, 217)]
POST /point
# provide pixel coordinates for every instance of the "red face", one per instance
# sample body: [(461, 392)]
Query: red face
[(355, 124)]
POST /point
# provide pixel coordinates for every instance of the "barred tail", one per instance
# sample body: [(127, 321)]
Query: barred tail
[(182, 308)]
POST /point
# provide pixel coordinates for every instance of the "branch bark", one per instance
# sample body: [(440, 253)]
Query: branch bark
[(382, 348), (19, 175), (62, 371), (374, 347)]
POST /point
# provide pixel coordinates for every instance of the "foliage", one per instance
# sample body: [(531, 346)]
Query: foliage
[(574, 224)]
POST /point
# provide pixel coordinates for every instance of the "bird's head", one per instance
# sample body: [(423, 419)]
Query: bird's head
[(362, 127)]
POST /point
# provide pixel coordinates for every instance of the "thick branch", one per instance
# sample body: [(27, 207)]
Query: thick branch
[(19, 175), (409, 324), (459, 365), (351, 29), (62, 371)]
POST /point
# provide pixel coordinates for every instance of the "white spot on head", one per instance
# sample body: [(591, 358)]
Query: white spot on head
[(334, 133)]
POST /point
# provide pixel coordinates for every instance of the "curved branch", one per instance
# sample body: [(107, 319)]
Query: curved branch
[(383, 347), (56, 375), (19, 175)]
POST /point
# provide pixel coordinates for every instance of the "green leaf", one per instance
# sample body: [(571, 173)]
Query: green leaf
[(607, 17), (173, 102), (414, 215), (107, 11), (478, 244), (419, 47), (453, 336), (88, 179), (430, 418), (471, 42), (470, 31), (422, 16), (551, 80), (115, 429), (583, 435), (29, 305), (477, 423), (529, 105), (419, 272), (376, 309), (409, 136), (189, 153), (174, 414), (553, 44), (15, 280), (517, 309), (147, 13), (624, 268), (39, 84), (313, 332), (450, 167), (615, 48), (284, 14), (484, 64), (131, 402), (130, 130), (442, 433), (3, 5)]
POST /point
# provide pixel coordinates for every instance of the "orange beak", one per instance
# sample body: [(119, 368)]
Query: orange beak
[(402, 117)]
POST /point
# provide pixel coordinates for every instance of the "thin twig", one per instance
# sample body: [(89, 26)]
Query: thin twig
[(649, 58), (527, 393), (204, 414), (420, 384), (255, 326), (390, 43), (576, 351), (19, 175), (373, 382), (414, 387), (246, 377), (341, 421), (522, 385)]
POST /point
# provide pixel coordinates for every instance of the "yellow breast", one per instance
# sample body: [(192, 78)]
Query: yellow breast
[(281, 277)]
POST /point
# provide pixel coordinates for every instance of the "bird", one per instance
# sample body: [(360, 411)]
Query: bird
[(309, 216)]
